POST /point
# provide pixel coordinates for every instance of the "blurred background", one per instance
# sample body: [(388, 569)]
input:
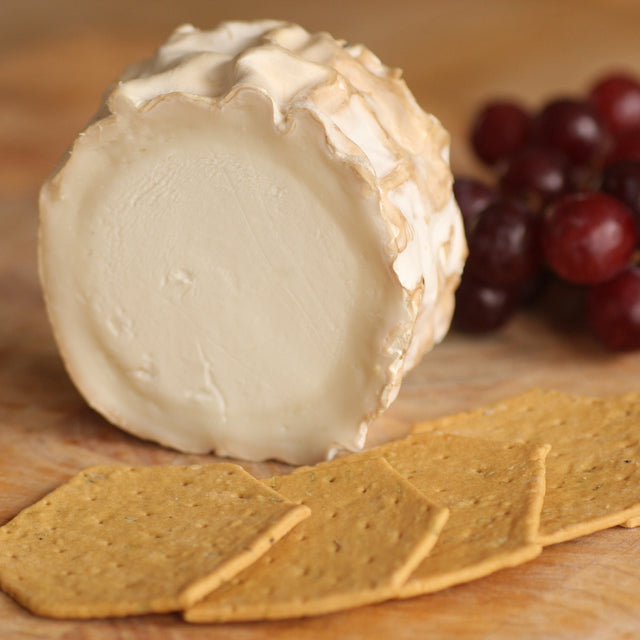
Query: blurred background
[(57, 56)]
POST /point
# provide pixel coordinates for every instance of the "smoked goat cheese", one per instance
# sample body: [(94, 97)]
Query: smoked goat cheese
[(251, 244)]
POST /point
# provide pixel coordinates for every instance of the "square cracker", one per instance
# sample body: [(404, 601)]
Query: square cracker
[(494, 493), (118, 540), (368, 529), (593, 470)]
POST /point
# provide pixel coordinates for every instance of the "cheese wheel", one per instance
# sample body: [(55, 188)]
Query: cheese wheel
[(251, 243)]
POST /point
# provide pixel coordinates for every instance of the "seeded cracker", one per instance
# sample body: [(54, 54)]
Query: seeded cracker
[(368, 530), (593, 470), (494, 493), (119, 540)]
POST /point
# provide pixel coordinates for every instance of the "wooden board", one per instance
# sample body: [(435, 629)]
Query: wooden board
[(56, 59)]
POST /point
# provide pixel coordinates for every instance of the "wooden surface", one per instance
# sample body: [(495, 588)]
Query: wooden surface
[(56, 57)]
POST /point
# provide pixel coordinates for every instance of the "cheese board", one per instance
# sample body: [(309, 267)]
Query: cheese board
[(54, 65)]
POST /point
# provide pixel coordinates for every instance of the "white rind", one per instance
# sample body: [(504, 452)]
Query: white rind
[(373, 169)]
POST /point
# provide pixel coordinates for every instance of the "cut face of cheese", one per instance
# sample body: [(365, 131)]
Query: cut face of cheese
[(221, 280), (225, 269)]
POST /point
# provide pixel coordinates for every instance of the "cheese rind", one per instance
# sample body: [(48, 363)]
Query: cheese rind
[(251, 244)]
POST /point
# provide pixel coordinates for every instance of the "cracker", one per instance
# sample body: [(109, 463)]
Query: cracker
[(368, 529), (494, 493), (118, 540), (593, 470)]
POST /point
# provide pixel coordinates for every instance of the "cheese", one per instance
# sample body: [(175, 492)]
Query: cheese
[(251, 244)]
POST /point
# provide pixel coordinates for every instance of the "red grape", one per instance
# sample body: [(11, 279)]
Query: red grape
[(473, 197), (627, 147), (503, 249), (480, 307), (574, 128), (617, 99), (568, 192), (613, 310), (622, 180), (498, 130), (536, 174), (588, 237)]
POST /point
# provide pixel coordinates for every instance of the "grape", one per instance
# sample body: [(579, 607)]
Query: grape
[(627, 147), (568, 194), (480, 307), (622, 181), (617, 99), (473, 197), (504, 250), (583, 178), (572, 127), (498, 130), (588, 237), (613, 310), (536, 174)]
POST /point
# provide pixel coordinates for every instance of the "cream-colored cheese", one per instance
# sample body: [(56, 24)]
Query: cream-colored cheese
[(251, 244)]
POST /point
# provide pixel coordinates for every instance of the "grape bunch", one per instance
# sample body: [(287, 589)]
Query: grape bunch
[(565, 206)]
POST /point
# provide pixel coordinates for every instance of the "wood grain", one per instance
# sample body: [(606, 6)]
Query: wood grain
[(56, 57)]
